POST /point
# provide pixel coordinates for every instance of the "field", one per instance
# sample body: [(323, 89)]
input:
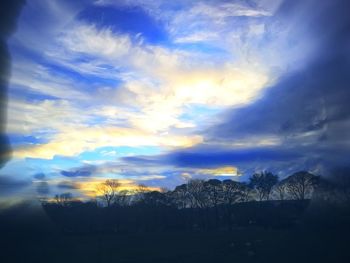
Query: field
[(37, 239)]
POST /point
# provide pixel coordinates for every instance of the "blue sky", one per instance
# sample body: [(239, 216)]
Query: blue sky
[(157, 92)]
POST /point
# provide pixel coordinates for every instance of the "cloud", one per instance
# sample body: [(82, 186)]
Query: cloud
[(42, 117), (67, 185), (151, 175), (39, 176), (300, 121), (77, 173), (220, 88), (71, 142), (46, 82), (158, 106), (203, 19), (209, 157), (237, 85), (146, 177), (87, 39), (42, 188), (305, 108), (221, 171), (9, 185)]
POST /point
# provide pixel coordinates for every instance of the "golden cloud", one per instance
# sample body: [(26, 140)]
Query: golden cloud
[(221, 171)]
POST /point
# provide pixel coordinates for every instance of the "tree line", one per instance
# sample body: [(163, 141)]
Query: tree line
[(264, 200), (198, 193)]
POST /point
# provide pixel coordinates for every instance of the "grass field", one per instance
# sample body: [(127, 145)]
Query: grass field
[(34, 238), (239, 245)]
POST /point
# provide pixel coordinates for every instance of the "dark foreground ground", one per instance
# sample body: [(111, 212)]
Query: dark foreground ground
[(30, 236)]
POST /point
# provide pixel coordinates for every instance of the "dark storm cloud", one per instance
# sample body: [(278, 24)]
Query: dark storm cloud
[(43, 188), (312, 98), (9, 12), (8, 184), (306, 110), (301, 102), (154, 160), (67, 185), (39, 176), (84, 171), (76, 173), (206, 157)]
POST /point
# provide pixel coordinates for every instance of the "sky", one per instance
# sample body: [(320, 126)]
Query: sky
[(158, 92)]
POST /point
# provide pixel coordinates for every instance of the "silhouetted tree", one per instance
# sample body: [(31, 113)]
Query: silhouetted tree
[(180, 197), (154, 198), (232, 191), (281, 189), (213, 192), (140, 192), (301, 184), (196, 193), (63, 199), (197, 205), (263, 183), (246, 192), (123, 198), (107, 191)]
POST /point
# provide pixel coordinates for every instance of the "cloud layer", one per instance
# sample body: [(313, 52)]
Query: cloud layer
[(185, 89)]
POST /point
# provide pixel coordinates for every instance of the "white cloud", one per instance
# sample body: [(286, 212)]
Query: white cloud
[(38, 79), (47, 116), (155, 85), (223, 10), (71, 141), (246, 142), (87, 39), (202, 36), (159, 83), (162, 81)]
